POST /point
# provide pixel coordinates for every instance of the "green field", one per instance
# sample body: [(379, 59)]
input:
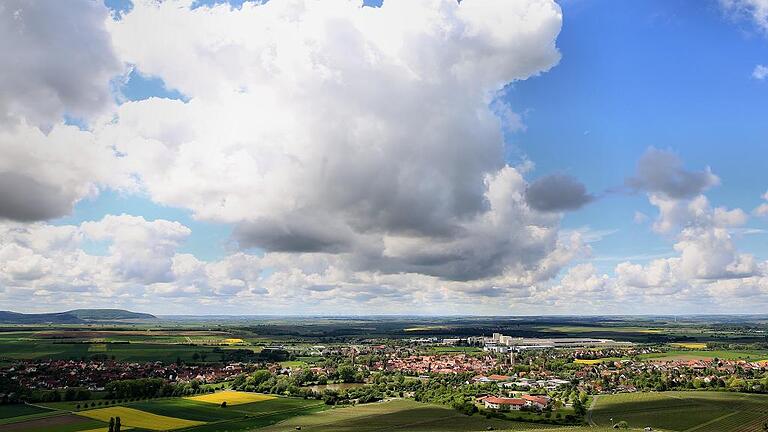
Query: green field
[(294, 364), (187, 409), (16, 410), (57, 423), (139, 344), (401, 415), (18, 413), (149, 352), (249, 416), (684, 411), (751, 355)]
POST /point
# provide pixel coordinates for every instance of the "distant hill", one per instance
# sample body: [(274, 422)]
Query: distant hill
[(77, 316), (108, 314), (7, 317)]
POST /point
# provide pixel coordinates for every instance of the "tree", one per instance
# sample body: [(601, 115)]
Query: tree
[(346, 373), (259, 377), (578, 407), (70, 394)]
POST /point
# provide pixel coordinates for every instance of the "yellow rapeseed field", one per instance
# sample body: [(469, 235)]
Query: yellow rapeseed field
[(232, 397), (587, 361), (690, 345), (137, 418)]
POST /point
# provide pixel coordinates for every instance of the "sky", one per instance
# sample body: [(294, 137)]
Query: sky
[(340, 157)]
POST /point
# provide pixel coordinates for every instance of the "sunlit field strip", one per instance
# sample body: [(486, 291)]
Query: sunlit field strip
[(140, 419), (231, 397)]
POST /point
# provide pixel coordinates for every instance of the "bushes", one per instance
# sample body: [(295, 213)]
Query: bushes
[(467, 408), (146, 387), (50, 396), (76, 394)]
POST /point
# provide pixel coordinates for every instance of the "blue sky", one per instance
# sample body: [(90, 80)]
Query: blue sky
[(671, 74), (311, 155)]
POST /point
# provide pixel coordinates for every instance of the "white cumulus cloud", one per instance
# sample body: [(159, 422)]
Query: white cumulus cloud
[(330, 127)]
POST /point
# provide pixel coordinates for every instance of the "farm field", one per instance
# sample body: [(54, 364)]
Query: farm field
[(690, 345), (18, 413), (43, 349), (140, 344), (596, 361), (403, 415), (132, 417), (753, 355), (8, 411), (58, 423), (592, 329), (251, 411), (187, 409), (231, 397), (293, 364), (684, 411)]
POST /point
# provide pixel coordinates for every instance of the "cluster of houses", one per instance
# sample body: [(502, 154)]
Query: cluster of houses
[(619, 376), (507, 381), (442, 363), (514, 404), (500, 403), (94, 374)]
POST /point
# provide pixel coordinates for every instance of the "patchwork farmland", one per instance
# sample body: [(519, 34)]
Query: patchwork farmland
[(243, 411)]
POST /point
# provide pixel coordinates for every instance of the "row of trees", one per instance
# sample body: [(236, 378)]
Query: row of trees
[(12, 393), (147, 388)]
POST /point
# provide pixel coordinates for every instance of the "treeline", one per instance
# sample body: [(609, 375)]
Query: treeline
[(747, 381), (114, 392), (148, 388), (263, 381), (21, 395), (297, 385)]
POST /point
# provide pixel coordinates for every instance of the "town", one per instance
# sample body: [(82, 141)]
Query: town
[(490, 377)]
